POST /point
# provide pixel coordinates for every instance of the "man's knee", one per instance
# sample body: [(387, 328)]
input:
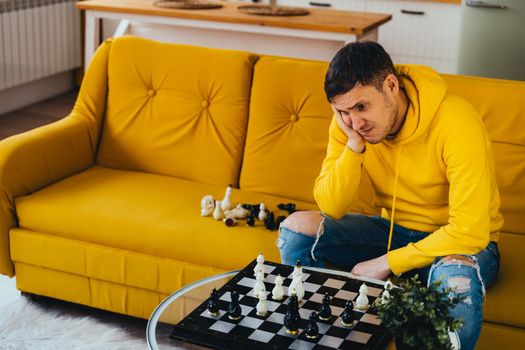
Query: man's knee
[(452, 273), (306, 222)]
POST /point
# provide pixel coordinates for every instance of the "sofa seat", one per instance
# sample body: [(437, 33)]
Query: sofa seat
[(149, 214), (507, 293)]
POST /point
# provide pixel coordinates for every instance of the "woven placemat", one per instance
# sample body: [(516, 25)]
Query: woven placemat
[(188, 4), (272, 10)]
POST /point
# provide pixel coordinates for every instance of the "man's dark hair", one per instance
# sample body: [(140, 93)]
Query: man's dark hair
[(361, 62)]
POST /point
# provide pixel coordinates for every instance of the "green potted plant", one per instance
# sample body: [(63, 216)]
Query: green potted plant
[(418, 316)]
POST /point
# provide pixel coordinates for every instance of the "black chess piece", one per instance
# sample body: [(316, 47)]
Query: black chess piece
[(250, 220), (278, 221), (347, 317), (269, 222), (234, 309), (213, 303), (292, 317), (289, 207), (253, 208), (312, 329), (325, 312)]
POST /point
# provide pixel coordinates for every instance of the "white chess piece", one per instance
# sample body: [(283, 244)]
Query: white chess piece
[(259, 267), (262, 306), (297, 282), (259, 284), (361, 302), (217, 213), (385, 296), (278, 291), (237, 213), (226, 203), (207, 205), (262, 212), (388, 284), (386, 293)]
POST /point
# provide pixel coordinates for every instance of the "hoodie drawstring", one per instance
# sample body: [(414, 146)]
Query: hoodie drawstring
[(394, 201)]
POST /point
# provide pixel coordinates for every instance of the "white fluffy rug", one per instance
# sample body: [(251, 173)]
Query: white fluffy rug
[(28, 325)]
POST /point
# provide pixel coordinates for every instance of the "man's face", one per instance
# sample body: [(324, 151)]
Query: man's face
[(371, 113)]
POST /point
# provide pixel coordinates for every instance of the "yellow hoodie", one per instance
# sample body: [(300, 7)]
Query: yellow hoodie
[(444, 183)]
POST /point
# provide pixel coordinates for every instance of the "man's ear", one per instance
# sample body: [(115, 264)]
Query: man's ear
[(391, 83)]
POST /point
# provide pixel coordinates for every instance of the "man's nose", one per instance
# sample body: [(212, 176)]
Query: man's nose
[(357, 123)]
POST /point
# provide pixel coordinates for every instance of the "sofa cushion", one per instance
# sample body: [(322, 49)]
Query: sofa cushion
[(146, 213), (505, 303), (500, 104), (176, 110), (288, 130)]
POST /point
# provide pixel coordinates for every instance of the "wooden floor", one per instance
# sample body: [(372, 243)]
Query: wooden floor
[(36, 115)]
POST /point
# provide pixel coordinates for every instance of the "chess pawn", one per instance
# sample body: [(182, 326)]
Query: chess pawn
[(297, 281), (347, 317), (262, 307), (213, 307), (362, 299), (325, 312), (312, 329), (234, 309), (207, 205), (278, 291), (217, 213), (262, 212), (259, 284), (226, 201)]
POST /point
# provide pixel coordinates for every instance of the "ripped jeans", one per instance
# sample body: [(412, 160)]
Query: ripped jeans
[(356, 238)]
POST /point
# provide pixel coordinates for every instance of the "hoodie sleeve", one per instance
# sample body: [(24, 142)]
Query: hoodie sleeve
[(466, 154), (336, 187)]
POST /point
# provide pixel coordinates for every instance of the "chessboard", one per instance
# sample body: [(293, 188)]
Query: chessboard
[(255, 332)]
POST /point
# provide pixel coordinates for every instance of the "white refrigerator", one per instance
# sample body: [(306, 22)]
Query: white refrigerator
[(492, 42)]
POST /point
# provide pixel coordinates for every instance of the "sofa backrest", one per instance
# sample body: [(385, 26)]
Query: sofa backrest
[(176, 110), (501, 104)]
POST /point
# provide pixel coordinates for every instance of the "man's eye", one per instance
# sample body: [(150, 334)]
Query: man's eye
[(360, 107)]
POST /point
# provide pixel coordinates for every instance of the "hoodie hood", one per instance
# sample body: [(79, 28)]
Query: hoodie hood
[(425, 90)]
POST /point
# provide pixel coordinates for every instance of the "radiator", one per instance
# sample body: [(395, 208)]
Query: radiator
[(38, 38)]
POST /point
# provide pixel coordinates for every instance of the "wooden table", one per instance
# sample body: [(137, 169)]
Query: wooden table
[(315, 36)]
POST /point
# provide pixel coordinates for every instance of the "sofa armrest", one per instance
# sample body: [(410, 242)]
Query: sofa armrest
[(36, 159), (40, 157)]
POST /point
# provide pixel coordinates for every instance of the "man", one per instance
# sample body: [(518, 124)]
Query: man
[(431, 166)]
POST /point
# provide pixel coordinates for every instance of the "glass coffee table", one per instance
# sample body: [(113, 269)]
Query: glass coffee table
[(182, 302)]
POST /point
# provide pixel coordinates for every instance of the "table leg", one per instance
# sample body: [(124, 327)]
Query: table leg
[(92, 37)]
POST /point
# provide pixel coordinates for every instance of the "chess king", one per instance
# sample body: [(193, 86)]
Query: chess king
[(429, 160)]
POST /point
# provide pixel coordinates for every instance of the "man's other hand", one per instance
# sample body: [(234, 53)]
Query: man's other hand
[(376, 268)]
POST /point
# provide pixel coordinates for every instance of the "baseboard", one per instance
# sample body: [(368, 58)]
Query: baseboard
[(26, 94)]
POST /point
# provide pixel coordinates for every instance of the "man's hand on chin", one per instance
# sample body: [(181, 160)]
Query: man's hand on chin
[(375, 268)]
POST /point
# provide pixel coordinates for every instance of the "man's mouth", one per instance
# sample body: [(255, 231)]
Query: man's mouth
[(366, 131)]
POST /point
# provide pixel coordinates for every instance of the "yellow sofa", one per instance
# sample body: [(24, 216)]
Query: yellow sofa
[(102, 208)]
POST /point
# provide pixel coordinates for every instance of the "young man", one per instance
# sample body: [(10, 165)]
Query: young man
[(430, 163)]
